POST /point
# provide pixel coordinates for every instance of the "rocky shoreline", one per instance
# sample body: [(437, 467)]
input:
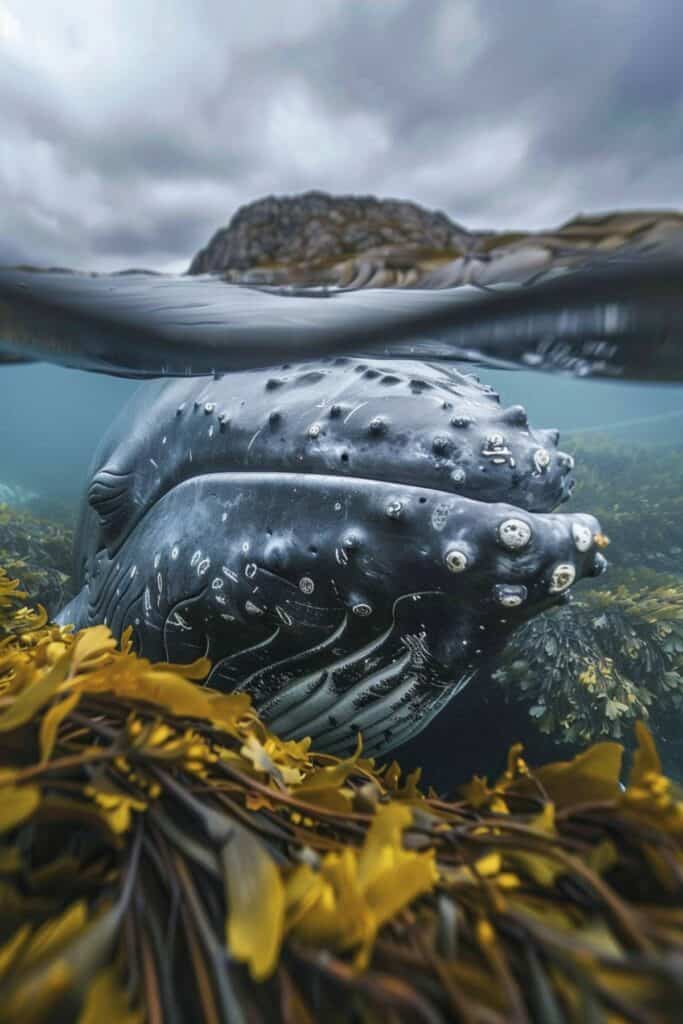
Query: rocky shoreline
[(316, 239)]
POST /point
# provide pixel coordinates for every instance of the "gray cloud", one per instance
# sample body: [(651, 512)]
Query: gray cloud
[(132, 131)]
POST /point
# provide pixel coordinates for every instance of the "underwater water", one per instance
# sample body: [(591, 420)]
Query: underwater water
[(576, 674)]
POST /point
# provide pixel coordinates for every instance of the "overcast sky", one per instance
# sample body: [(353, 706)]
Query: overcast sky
[(131, 129)]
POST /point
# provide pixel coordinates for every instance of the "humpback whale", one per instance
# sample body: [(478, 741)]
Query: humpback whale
[(347, 540)]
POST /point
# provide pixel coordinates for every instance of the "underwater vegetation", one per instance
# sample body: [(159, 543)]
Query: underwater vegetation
[(39, 552), (592, 669), (164, 856), (635, 491)]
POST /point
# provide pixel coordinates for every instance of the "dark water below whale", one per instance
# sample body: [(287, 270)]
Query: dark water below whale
[(627, 439)]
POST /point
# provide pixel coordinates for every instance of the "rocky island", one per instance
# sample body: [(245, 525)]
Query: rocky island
[(317, 239)]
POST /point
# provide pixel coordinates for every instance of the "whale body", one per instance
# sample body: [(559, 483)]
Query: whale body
[(348, 540)]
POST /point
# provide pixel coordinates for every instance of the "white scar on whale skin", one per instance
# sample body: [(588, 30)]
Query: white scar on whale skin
[(357, 409)]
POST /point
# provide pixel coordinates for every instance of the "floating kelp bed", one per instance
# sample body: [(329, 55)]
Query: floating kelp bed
[(164, 857)]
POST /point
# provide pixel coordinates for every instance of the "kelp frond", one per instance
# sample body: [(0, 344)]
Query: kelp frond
[(165, 857), (590, 671)]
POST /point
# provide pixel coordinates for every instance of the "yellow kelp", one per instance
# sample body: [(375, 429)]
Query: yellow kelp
[(164, 856)]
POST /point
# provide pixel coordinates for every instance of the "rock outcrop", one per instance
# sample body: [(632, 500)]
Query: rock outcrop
[(316, 239), (315, 229)]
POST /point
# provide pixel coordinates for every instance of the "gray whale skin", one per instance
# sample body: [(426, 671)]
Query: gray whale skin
[(346, 540)]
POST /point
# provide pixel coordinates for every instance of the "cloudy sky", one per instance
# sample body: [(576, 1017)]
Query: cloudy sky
[(132, 129)]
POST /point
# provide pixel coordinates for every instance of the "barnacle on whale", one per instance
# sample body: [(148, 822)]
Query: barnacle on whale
[(166, 856)]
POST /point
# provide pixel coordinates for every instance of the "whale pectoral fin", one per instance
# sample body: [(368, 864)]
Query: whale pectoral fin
[(75, 613), (111, 497)]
